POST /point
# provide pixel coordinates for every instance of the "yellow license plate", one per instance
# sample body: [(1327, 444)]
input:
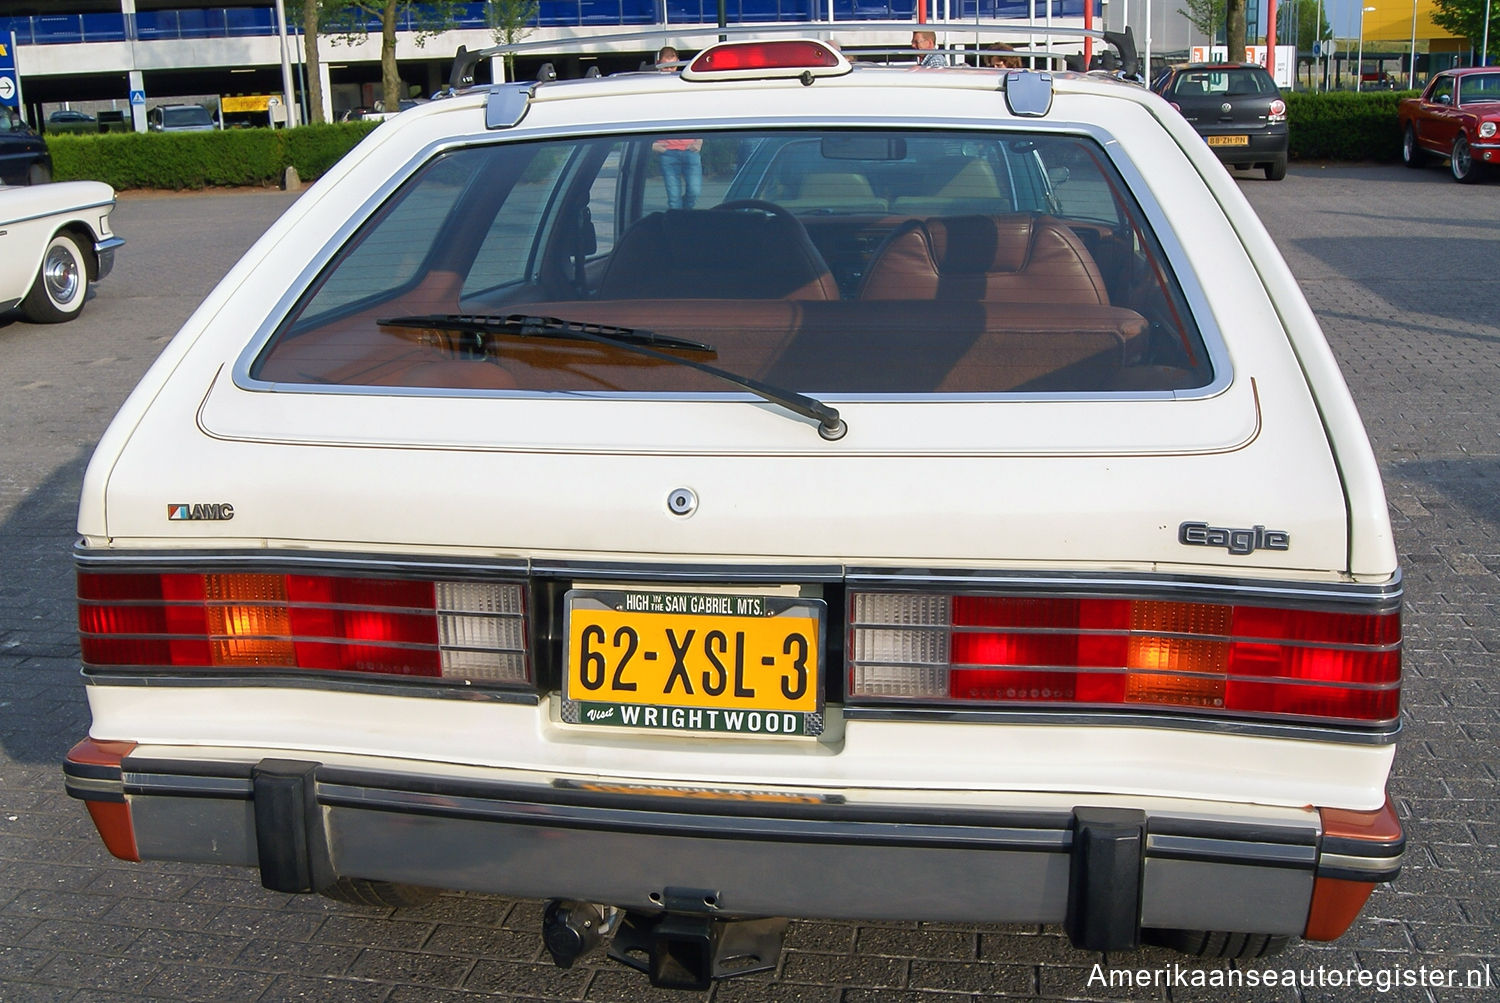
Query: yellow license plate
[(694, 662), (1228, 140)]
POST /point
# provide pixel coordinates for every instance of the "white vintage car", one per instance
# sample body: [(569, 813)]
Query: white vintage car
[(779, 488), (54, 240)]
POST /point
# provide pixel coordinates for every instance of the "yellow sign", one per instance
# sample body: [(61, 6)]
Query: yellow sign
[(244, 103)]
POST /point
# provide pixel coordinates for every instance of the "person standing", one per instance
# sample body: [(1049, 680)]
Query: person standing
[(681, 159)]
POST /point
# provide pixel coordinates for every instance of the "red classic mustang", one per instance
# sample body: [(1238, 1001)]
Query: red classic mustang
[(1457, 116)]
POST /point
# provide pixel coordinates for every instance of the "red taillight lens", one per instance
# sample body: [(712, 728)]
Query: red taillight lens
[(1278, 111), (455, 630), (1201, 657)]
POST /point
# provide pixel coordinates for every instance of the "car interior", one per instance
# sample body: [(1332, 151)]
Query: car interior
[(830, 263)]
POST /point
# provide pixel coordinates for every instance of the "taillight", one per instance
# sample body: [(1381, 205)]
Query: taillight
[(1278, 111), (451, 630), (1116, 652)]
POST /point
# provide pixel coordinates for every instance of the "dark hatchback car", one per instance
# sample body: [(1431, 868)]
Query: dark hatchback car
[(24, 159), (1237, 109)]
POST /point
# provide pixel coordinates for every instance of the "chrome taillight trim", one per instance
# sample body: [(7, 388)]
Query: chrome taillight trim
[(1383, 597), (310, 679), (1259, 727)]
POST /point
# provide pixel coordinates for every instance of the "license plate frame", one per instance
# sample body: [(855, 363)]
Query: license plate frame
[(1234, 140), (723, 663)]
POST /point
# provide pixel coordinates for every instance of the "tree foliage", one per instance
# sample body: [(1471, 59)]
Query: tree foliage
[(1465, 18), (1207, 16), (351, 21), (510, 22), (1304, 24)]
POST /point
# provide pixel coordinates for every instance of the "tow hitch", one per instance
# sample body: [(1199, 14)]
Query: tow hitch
[(685, 946)]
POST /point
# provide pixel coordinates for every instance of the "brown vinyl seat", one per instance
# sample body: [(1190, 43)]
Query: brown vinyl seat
[(717, 254), (1013, 258)]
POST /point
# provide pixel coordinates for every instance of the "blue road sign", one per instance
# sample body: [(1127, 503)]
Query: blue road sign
[(137, 97), (10, 80)]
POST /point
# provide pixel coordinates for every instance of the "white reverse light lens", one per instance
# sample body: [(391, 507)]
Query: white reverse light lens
[(482, 632), (900, 645)]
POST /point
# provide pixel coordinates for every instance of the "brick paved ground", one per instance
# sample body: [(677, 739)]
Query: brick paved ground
[(1400, 266)]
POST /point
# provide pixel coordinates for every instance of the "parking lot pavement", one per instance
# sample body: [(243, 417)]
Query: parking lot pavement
[(1399, 266)]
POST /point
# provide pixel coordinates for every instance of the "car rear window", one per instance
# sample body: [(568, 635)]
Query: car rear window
[(1227, 82), (871, 262), (179, 117)]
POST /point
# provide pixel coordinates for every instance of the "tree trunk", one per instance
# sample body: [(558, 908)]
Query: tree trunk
[(390, 78), (311, 59), (1234, 30)]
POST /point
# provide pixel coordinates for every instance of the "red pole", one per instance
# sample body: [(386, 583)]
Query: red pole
[(1271, 36), (1088, 23), (922, 11)]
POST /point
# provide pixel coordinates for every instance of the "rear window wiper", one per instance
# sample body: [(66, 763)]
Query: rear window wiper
[(637, 340)]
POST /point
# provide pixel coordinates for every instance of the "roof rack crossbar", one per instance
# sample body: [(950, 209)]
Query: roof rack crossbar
[(465, 61)]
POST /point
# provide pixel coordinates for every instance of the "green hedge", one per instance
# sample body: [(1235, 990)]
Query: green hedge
[(1344, 125), (1341, 125), (232, 157)]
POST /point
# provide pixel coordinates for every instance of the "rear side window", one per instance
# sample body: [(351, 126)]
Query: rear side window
[(874, 263)]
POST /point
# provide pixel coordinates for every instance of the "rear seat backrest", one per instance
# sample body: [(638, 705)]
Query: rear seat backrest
[(716, 254), (1020, 258)]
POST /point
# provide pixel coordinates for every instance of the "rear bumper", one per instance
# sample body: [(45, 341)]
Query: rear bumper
[(1104, 868)]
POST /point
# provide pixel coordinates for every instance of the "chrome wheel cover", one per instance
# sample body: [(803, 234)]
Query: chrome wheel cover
[(62, 274)]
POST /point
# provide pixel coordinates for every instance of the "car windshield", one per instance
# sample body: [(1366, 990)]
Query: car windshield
[(178, 118), (880, 262), (1479, 87), (1223, 82)]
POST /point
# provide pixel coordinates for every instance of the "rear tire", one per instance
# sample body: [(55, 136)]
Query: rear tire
[(380, 894), (1276, 169), (1411, 153), (61, 283), (1465, 170), (1211, 944)]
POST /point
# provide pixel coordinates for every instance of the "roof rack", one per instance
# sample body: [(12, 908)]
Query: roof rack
[(465, 60)]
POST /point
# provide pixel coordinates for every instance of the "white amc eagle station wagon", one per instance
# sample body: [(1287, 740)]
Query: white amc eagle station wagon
[(775, 488)]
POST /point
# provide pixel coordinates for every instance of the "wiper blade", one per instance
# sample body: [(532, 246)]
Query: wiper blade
[(526, 326), (641, 342)]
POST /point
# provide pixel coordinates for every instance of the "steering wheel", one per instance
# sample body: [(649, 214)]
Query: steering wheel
[(755, 205)]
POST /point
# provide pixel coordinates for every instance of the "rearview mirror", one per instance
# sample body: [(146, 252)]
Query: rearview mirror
[(856, 146)]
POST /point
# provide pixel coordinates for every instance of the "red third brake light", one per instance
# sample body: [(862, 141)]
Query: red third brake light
[(781, 58)]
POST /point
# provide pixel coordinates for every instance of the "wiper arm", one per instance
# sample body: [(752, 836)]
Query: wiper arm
[(641, 342)]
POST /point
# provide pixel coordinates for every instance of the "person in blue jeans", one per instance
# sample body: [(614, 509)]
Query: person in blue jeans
[(681, 159), (681, 170)]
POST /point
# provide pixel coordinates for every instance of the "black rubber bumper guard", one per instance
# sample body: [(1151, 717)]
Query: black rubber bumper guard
[(1104, 887)]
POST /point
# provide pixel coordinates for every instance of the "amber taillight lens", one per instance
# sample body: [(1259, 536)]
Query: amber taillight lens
[(1210, 658), (388, 626)]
